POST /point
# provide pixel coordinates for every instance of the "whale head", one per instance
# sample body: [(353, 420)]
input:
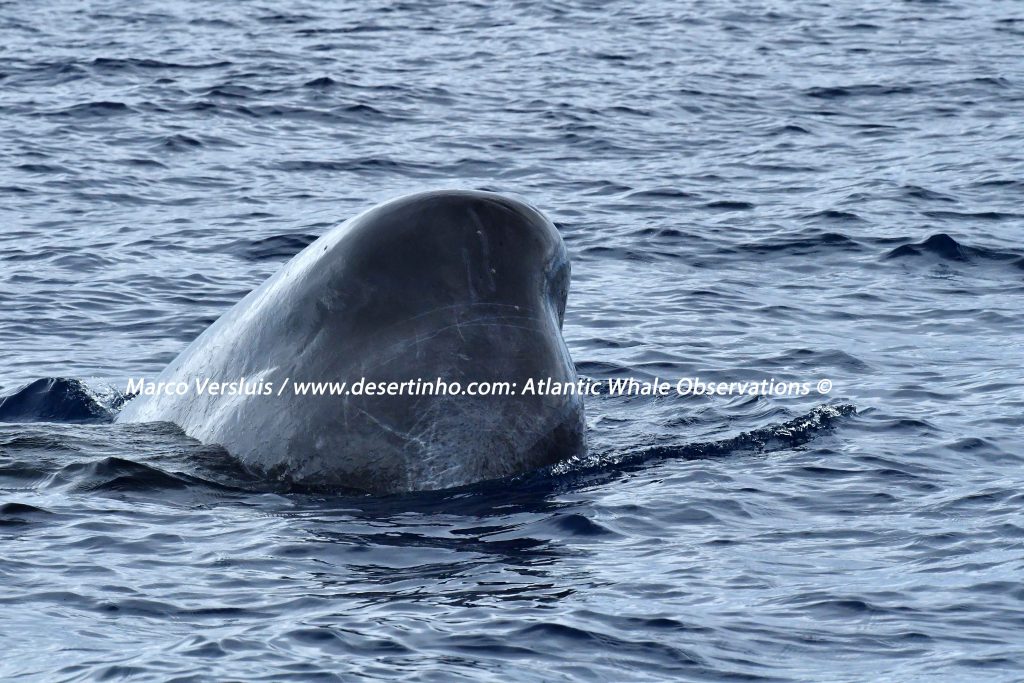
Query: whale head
[(437, 312)]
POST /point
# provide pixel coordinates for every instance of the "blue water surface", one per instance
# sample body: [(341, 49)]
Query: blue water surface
[(748, 190)]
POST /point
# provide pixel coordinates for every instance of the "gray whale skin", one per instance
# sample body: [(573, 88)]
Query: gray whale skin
[(466, 286)]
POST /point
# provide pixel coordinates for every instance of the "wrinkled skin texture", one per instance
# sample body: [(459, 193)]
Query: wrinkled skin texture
[(465, 286)]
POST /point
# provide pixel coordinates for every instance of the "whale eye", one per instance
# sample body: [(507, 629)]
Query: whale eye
[(558, 276)]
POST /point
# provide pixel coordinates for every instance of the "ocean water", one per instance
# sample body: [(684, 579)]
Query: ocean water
[(748, 190)]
